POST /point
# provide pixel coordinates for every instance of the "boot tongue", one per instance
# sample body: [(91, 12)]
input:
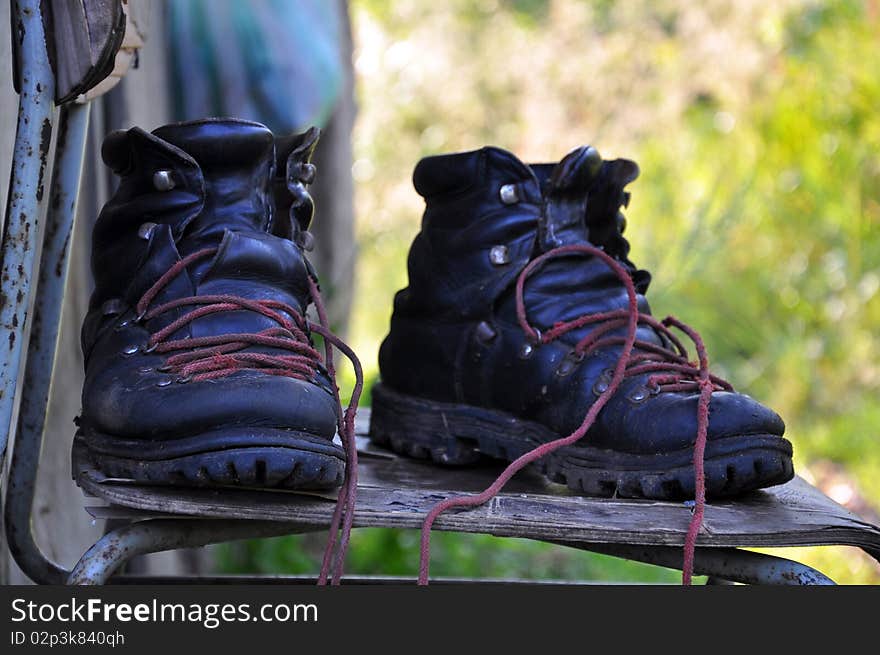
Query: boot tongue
[(565, 199), (236, 159), (605, 223), (294, 206), (581, 205), (582, 200)]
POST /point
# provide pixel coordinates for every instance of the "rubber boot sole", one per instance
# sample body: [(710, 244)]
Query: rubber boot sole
[(456, 434), (241, 457)]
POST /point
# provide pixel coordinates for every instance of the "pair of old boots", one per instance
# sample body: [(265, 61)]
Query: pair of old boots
[(523, 316)]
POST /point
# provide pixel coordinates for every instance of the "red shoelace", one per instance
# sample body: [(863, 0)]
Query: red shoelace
[(206, 358), (670, 372)]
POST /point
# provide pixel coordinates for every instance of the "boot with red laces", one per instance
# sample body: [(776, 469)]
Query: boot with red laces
[(525, 333), (200, 363)]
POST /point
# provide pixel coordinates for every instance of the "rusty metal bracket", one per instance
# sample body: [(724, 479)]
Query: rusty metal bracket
[(115, 548), (102, 560), (27, 198), (42, 346), (731, 564)]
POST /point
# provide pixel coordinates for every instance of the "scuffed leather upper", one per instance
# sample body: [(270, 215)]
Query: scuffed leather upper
[(237, 189), (439, 346)]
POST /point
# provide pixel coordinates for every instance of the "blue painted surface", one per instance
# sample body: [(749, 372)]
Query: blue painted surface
[(28, 194), (37, 380)]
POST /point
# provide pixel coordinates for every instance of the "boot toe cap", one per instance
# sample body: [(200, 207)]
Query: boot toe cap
[(157, 406), (668, 422)]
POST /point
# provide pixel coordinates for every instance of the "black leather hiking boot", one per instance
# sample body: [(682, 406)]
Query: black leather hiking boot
[(200, 368), (513, 324)]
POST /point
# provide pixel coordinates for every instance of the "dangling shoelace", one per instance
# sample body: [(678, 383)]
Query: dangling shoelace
[(211, 357), (670, 372)]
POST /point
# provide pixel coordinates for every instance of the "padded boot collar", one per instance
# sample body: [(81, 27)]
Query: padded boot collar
[(489, 214), (200, 179), (122, 232), (478, 230), (143, 161), (459, 173), (579, 197), (236, 159)]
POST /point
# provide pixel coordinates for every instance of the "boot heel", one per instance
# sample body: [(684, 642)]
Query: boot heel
[(420, 428)]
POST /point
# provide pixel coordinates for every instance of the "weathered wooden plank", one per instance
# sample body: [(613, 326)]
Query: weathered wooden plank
[(398, 492)]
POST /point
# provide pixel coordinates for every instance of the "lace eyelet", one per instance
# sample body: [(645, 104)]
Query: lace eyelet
[(531, 344), (509, 194), (499, 255), (569, 363), (603, 382), (639, 395), (306, 241), (145, 231), (112, 307), (307, 173), (485, 332), (164, 180)]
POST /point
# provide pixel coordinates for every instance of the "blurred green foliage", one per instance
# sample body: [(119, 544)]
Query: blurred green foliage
[(396, 553), (756, 128)]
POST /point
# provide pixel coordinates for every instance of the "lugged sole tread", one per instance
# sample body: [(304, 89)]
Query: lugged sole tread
[(254, 467), (411, 427)]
